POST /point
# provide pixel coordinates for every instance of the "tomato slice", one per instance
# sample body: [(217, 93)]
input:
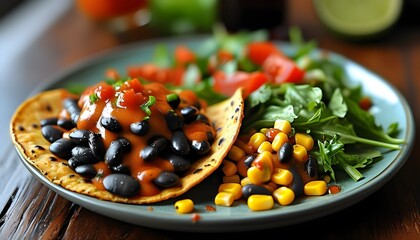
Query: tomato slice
[(228, 84), (282, 69), (258, 52)]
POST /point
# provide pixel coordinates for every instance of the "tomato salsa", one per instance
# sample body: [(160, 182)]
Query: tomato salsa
[(134, 139)]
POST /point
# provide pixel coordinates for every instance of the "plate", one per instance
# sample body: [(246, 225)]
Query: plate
[(390, 107)]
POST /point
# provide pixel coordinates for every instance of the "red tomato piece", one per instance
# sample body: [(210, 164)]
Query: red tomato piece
[(128, 98), (104, 91), (184, 55), (132, 84), (228, 84), (281, 69), (258, 52)]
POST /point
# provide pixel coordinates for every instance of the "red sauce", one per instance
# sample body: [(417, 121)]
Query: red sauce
[(123, 103)]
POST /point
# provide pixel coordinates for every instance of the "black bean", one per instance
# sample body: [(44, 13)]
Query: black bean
[(200, 147), (79, 136), (125, 144), (179, 143), (203, 118), (121, 168), (114, 153), (285, 153), (86, 171), (249, 159), (251, 189), (74, 162), (189, 113), (210, 136), (111, 124), (121, 184), (62, 148), (178, 162), (148, 153), (173, 100), (297, 183), (51, 133), (65, 123), (72, 108), (49, 121), (83, 154), (311, 166), (97, 146), (159, 143), (174, 121), (166, 179), (140, 128)]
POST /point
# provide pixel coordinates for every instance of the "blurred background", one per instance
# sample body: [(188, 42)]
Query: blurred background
[(41, 38)]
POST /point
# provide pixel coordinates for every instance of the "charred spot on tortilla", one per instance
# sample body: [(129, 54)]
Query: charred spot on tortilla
[(25, 129)]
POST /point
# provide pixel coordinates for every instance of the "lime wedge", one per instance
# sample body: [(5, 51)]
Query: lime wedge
[(358, 18)]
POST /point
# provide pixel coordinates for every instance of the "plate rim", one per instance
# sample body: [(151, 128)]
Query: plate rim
[(184, 222)]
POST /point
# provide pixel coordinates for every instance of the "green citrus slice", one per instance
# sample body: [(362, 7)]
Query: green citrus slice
[(358, 18)]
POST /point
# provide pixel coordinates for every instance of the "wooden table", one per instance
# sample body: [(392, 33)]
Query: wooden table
[(30, 210)]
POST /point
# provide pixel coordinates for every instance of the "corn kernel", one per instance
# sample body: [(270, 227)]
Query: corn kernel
[(315, 188), (232, 179), (305, 140), (234, 188), (261, 168), (265, 146), (284, 195), (283, 125), (235, 153), (260, 202), (282, 176), (256, 140), (229, 168), (244, 146), (278, 141), (263, 130), (184, 206), (300, 153), (245, 181), (224, 199)]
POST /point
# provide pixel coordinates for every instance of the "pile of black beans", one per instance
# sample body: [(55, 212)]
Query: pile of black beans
[(83, 148)]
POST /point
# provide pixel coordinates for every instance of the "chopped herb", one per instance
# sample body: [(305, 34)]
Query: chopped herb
[(93, 98)]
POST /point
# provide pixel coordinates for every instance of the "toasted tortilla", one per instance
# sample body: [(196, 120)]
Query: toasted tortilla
[(26, 134)]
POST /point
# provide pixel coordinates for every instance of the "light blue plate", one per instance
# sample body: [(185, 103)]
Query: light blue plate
[(390, 107)]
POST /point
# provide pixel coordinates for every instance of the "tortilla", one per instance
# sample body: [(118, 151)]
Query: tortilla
[(26, 134)]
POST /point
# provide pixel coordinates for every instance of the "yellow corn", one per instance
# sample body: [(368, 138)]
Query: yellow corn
[(263, 130), (245, 181), (283, 125), (256, 139), (284, 195), (265, 146), (305, 140), (229, 168), (300, 153), (315, 188), (224, 199), (235, 153), (278, 141), (260, 202), (261, 169), (282, 176), (184, 206), (232, 179), (234, 188)]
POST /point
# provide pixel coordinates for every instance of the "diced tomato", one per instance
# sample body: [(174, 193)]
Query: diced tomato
[(153, 73), (104, 91), (132, 84), (128, 98), (282, 69), (184, 56), (147, 71), (258, 52), (228, 84), (112, 73)]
